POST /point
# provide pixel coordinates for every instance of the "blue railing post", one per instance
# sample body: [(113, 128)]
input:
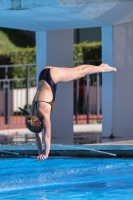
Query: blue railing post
[(98, 97), (27, 87)]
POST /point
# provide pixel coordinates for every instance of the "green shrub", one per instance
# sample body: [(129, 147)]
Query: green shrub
[(84, 51), (87, 51), (18, 56)]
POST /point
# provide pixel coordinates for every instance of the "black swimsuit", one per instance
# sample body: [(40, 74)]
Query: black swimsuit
[(46, 76)]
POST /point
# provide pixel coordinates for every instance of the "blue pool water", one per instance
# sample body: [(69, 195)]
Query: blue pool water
[(66, 178)]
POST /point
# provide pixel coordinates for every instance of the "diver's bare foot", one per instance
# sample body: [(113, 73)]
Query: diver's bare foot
[(107, 68)]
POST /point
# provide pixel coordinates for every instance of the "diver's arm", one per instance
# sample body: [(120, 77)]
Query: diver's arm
[(38, 137), (41, 155), (47, 139), (47, 136)]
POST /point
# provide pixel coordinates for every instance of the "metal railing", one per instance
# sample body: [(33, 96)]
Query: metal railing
[(15, 92), (88, 97), (19, 92)]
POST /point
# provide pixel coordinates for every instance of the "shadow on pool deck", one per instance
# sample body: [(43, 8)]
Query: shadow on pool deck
[(86, 139), (83, 134), (92, 133)]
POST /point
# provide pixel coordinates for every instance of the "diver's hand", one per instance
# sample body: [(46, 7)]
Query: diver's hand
[(42, 157), (106, 68)]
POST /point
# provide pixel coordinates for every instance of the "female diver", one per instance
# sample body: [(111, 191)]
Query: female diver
[(43, 101)]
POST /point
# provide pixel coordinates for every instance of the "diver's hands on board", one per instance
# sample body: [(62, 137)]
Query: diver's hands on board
[(42, 157), (106, 68)]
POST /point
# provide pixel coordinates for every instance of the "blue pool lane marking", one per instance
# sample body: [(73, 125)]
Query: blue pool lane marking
[(78, 148), (103, 152), (8, 152), (16, 153), (93, 150), (73, 148)]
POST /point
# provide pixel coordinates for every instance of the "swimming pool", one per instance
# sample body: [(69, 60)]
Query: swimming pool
[(66, 178)]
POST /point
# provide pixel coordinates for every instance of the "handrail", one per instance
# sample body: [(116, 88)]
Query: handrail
[(17, 65)]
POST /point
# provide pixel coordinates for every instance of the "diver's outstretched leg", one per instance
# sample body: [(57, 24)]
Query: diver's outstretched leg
[(68, 74)]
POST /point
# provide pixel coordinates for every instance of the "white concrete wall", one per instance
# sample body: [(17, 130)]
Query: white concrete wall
[(3, 101), (123, 80), (19, 97), (56, 48)]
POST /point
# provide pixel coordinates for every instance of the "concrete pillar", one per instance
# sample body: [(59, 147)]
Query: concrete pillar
[(107, 83), (41, 52), (123, 80), (55, 48)]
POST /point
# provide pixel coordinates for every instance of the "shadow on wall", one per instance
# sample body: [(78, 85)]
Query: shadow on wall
[(20, 38), (16, 99), (4, 102)]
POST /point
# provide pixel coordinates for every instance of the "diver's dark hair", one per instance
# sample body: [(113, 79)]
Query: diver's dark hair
[(33, 123)]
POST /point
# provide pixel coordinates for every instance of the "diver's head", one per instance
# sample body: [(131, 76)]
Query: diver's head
[(33, 123)]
